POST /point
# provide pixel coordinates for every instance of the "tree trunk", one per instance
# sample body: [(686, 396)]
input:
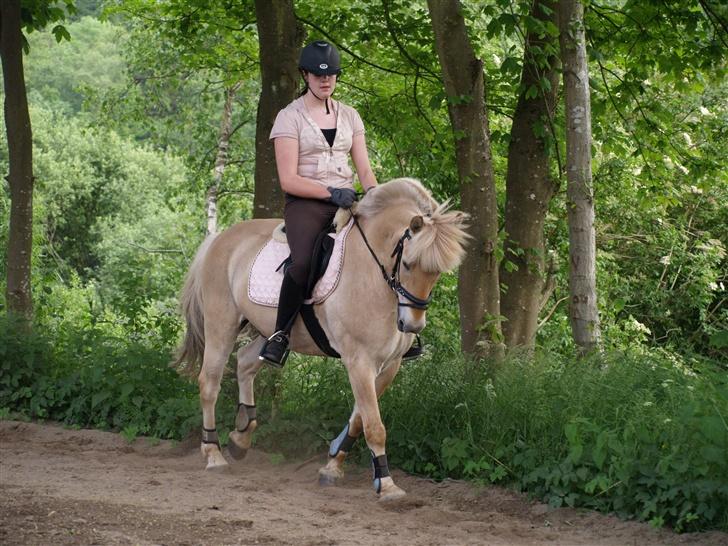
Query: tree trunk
[(580, 202), (279, 38), (223, 142), (479, 293), (529, 186), (20, 151)]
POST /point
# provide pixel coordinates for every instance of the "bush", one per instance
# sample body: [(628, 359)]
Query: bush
[(633, 433), (91, 378)]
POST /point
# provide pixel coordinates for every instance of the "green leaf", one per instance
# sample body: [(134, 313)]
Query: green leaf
[(599, 454), (126, 390), (511, 65), (719, 340), (61, 33), (99, 397)]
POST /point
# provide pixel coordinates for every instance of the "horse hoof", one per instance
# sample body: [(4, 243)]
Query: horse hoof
[(327, 480), (235, 451), (217, 468), (391, 494)]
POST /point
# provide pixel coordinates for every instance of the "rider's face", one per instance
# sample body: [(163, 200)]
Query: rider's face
[(322, 86)]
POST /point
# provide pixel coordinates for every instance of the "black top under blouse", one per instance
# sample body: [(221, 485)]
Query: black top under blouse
[(329, 135)]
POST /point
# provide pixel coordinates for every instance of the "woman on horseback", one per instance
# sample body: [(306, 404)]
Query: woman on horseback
[(313, 139)]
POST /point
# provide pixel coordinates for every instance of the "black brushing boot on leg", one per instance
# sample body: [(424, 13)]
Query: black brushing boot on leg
[(275, 350)]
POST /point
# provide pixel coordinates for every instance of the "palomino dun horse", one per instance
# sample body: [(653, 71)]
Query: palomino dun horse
[(371, 323)]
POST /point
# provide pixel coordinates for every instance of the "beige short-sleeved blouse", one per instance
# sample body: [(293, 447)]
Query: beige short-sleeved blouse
[(327, 165)]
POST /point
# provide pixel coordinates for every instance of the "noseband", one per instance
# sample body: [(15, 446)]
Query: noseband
[(392, 279)]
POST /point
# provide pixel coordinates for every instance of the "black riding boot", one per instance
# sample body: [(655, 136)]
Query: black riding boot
[(275, 350)]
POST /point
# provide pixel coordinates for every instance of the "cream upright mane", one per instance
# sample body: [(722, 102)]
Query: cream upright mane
[(439, 245)]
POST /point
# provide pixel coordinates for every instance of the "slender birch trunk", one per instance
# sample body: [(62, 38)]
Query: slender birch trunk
[(479, 293), (580, 200), (20, 152), (223, 143)]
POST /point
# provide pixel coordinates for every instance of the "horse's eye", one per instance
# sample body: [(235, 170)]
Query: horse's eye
[(406, 265)]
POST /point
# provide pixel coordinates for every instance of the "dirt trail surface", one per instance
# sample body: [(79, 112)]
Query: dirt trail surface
[(60, 486)]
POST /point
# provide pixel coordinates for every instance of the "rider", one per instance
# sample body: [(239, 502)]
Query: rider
[(313, 139)]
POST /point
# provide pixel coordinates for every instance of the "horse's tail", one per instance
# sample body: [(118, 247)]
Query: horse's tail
[(192, 348)]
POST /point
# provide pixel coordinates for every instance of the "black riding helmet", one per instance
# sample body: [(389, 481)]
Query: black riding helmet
[(320, 58)]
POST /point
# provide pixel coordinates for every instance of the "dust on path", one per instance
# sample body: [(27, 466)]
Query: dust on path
[(60, 486)]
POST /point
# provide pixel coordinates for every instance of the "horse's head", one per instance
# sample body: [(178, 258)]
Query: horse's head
[(426, 239)]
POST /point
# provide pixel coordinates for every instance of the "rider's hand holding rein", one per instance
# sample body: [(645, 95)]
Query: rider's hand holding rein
[(342, 197)]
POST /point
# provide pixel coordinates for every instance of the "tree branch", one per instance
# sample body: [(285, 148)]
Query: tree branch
[(624, 120), (417, 103), (402, 50), (553, 310), (718, 24)]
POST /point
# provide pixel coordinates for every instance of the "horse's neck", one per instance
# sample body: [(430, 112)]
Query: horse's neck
[(380, 232), (361, 271), (363, 305)]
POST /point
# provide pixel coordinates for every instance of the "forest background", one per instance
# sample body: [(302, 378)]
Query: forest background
[(126, 118)]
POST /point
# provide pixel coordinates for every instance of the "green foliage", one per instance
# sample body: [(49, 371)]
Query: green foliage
[(66, 73), (38, 14), (637, 432), (172, 93), (92, 184), (83, 374)]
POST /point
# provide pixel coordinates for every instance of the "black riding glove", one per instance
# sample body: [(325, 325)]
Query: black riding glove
[(342, 197)]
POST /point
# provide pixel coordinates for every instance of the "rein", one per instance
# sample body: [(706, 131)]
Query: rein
[(392, 279)]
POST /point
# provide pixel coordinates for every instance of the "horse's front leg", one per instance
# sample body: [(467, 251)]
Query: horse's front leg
[(340, 447), (363, 383), (245, 422)]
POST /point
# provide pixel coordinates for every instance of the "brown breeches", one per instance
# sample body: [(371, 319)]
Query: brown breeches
[(305, 219)]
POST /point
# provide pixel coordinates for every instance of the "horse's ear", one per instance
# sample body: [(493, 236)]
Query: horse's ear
[(416, 224)]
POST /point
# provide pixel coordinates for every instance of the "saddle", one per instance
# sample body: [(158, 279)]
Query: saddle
[(266, 276)]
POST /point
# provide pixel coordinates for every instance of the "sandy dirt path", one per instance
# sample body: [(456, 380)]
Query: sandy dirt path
[(60, 486)]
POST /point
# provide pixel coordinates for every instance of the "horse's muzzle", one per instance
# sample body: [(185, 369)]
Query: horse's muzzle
[(410, 327)]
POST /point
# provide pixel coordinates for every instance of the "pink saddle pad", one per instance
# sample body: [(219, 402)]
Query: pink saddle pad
[(264, 283)]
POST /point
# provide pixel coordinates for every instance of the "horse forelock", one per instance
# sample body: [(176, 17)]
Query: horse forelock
[(439, 245)]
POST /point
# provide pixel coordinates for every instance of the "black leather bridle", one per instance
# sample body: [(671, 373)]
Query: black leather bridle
[(392, 279)]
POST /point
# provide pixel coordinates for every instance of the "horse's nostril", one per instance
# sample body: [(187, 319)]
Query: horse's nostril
[(400, 325)]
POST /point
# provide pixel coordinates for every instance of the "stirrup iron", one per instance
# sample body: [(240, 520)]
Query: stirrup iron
[(273, 359)]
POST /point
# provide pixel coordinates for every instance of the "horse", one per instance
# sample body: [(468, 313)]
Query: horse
[(370, 319)]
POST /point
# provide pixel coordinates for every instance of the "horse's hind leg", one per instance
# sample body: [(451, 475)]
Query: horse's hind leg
[(219, 342), (333, 471), (245, 422)]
